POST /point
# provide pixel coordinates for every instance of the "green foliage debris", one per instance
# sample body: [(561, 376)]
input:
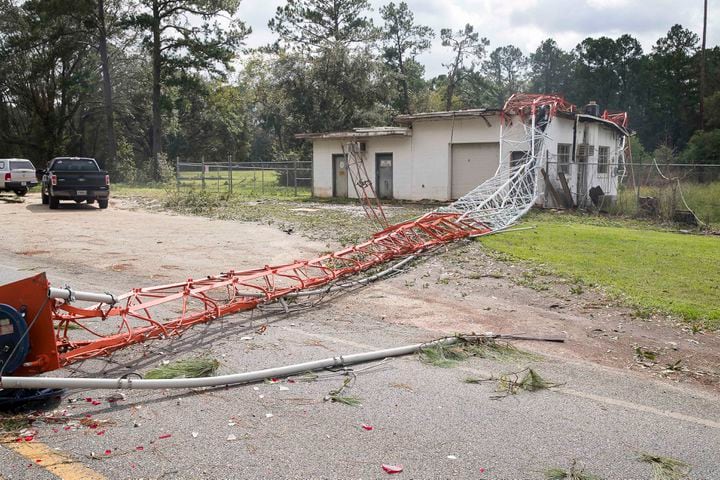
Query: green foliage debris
[(531, 381), (189, 368), (336, 395), (13, 423), (573, 473), (446, 356), (665, 468)]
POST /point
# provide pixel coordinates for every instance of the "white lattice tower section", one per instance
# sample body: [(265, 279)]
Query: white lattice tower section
[(501, 200)]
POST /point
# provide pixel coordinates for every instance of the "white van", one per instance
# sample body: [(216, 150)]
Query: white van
[(17, 175)]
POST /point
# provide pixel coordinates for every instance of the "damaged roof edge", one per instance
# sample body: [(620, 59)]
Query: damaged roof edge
[(359, 133), (407, 120), (610, 123), (475, 112), (400, 120), (584, 117)]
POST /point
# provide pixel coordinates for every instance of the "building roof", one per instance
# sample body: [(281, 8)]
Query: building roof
[(359, 133), (407, 120), (585, 117), (593, 118), (475, 112)]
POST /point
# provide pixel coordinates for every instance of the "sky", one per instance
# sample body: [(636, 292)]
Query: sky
[(525, 23)]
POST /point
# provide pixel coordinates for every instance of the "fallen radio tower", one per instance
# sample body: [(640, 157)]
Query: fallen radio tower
[(49, 331)]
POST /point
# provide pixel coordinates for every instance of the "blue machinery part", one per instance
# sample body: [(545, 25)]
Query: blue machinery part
[(14, 348), (14, 342)]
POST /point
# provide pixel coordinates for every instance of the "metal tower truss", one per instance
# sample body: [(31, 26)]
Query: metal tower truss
[(355, 155), (62, 333), (622, 154), (52, 331), (524, 140)]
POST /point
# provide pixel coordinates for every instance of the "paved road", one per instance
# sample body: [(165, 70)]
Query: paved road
[(423, 417)]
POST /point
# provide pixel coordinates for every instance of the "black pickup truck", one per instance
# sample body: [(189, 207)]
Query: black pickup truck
[(74, 178)]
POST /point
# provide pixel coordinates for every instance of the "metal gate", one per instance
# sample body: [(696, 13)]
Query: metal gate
[(276, 178)]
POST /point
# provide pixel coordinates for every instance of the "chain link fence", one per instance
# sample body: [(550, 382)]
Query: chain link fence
[(684, 193), (257, 179)]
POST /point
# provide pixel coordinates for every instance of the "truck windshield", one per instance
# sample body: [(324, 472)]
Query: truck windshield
[(21, 165), (75, 165)]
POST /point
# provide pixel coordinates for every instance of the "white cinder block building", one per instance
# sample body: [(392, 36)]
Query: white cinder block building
[(443, 155)]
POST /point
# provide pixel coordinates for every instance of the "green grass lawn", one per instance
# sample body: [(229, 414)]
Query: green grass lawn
[(658, 270), (158, 191)]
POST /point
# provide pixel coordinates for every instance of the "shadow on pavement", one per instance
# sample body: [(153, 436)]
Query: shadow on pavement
[(64, 207)]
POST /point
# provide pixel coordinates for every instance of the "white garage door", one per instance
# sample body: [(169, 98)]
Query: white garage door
[(472, 164)]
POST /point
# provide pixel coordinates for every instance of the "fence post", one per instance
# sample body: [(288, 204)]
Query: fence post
[(177, 173), (295, 174), (202, 173), (262, 180), (230, 173)]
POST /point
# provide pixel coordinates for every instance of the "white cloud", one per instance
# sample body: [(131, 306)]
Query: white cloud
[(525, 23)]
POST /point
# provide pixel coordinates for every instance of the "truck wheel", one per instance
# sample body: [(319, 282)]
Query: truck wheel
[(45, 199), (103, 202), (21, 192), (54, 202)]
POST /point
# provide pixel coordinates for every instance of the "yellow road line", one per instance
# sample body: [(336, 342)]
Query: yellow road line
[(57, 463)]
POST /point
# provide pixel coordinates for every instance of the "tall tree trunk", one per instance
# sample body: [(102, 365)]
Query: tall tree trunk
[(404, 85), (107, 89), (156, 120), (449, 92), (702, 70), (453, 79)]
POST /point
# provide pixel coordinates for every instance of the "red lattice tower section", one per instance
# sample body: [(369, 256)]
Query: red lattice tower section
[(526, 104), (618, 118), (64, 333)]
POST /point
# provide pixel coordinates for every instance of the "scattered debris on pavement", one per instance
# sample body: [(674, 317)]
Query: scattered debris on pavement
[(445, 356), (391, 469), (666, 468), (189, 368), (337, 396), (575, 472), (512, 383)]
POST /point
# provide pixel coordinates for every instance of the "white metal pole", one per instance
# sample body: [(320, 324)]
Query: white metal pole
[(70, 295), (233, 379)]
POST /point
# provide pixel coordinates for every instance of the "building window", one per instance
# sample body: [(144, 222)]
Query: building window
[(603, 157), (563, 158), (517, 157)]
